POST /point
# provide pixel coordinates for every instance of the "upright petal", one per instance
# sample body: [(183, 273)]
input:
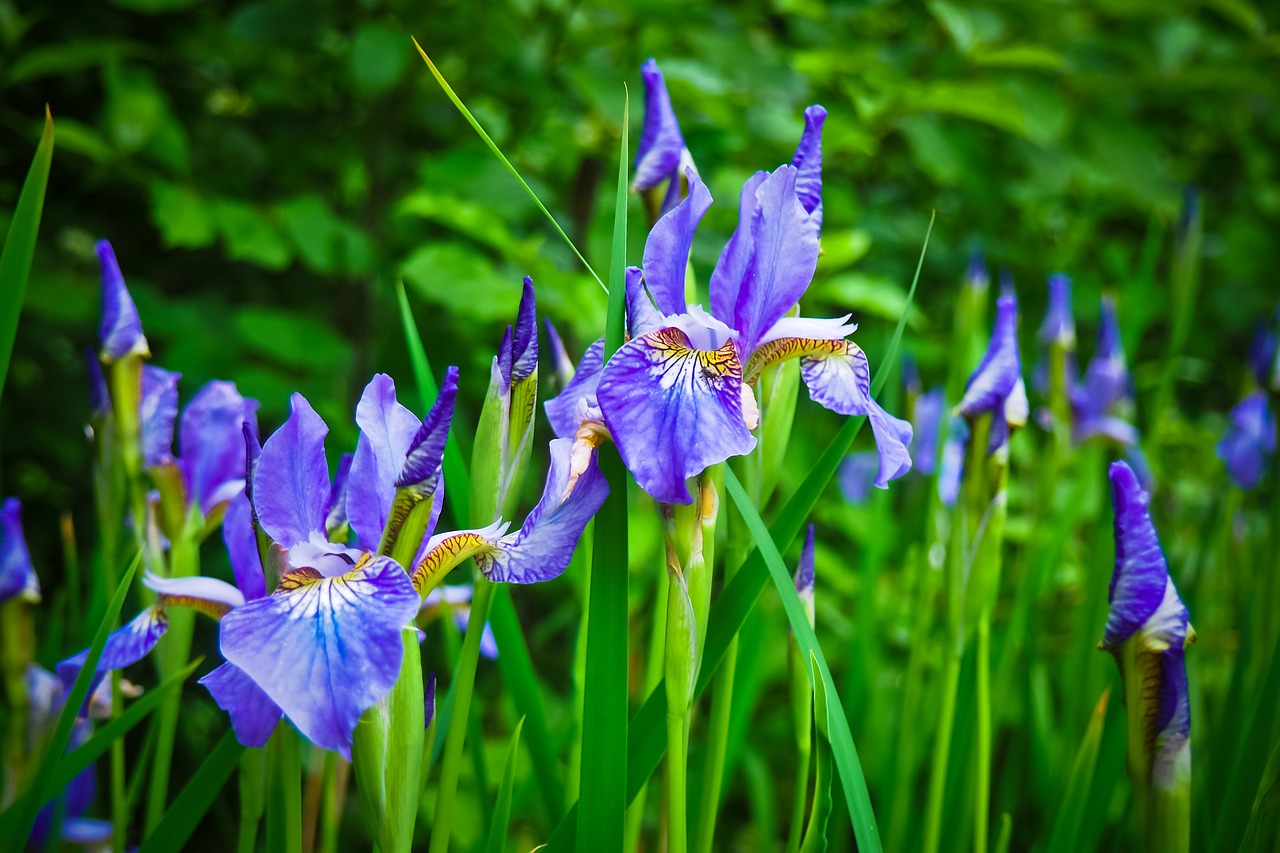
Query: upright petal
[(1000, 369), (524, 353), (1141, 575), (666, 251), (540, 550), (731, 268), (121, 331), (242, 547), (125, 646), (291, 478), (673, 410), (661, 144), (325, 649), (387, 429), (559, 355), (17, 575), (212, 443), (562, 409), (1107, 388), (253, 715), (336, 519), (426, 451), (1059, 326), (808, 163), (642, 316), (157, 411), (1250, 440)]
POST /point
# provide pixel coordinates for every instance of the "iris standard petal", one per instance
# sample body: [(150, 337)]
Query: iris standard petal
[(524, 352), (426, 450), (661, 144), (212, 444), (335, 520), (562, 409), (253, 715), (808, 163), (1141, 575), (1106, 388), (242, 547), (559, 355), (540, 550), (157, 411), (325, 649), (17, 574), (210, 596), (731, 268), (666, 251), (125, 646), (642, 317), (291, 477), (387, 429), (781, 262), (673, 410), (1000, 369), (121, 330), (826, 329), (1250, 440)]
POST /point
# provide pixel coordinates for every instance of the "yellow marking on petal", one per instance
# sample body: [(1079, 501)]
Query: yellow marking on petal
[(784, 349), (670, 344), (448, 553), (212, 609)]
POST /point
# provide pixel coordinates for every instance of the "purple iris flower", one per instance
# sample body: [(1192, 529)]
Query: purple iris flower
[(661, 156), (1264, 353), (856, 475), (17, 575), (804, 575), (1057, 329), (1147, 612), (678, 396), (926, 428), (996, 387), (951, 466), (1250, 440), (121, 330), (1102, 403)]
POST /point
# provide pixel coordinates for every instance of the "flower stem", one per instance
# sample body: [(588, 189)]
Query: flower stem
[(801, 798), (284, 796), (463, 688), (252, 770), (677, 830), (982, 792)]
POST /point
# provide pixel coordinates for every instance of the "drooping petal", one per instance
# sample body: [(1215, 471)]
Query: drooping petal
[(212, 443), (387, 429), (666, 251), (1059, 326), (1250, 440), (856, 476), (782, 258), (242, 547), (731, 268), (808, 163), (157, 412), (253, 715), (17, 575), (524, 353), (1138, 585), (426, 450), (291, 478), (661, 144), (121, 330), (325, 649), (540, 550), (642, 316), (927, 430), (563, 408), (336, 518), (125, 646), (673, 410), (209, 596)]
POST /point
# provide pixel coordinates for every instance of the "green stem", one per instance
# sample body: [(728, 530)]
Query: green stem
[(330, 816), (677, 829), (652, 677), (800, 801), (463, 688), (252, 780), (941, 751), (982, 792)]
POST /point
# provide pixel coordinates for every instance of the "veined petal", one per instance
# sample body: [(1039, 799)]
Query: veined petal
[(426, 451), (17, 575), (661, 143), (291, 478), (642, 317), (1139, 582), (121, 330), (253, 715), (731, 268), (386, 430), (157, 411), (212, 443), (242, 547), (209, 596), (562, 409), (832, 329), (1250, 440), (125, 646), (673, 410), (524, 353), (1000, 369), (666, 251), (540, 550), (444, 551), (808, 163), (782, 258), (325, 649)]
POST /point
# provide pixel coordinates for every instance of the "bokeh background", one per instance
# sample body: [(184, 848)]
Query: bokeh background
[(267, 170)]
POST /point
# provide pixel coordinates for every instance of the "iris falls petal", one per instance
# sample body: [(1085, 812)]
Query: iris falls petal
[(253, 715)]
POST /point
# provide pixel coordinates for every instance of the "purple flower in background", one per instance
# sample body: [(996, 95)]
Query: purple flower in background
[(856, 475), (1059, 326), (661, 155), (996, 387), (951, 465), (1264, 353), (976, 276), (457, 598), (1250, 440), (17, 575), (804, 575), (1147, 612), (926, 428), (121, 331), (157, 412), (1102, 403)]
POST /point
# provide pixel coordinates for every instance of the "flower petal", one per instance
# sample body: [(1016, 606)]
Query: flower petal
[(426, 451), (387, 429), (291, 477), (524, 354), (125, 646), (212, 443), (17, 575), (661, 144), (673, 410), (808, 163), (559, 355), (1000, 369), (325, 649), (804, 569), (242, 547), (121, 330), (829, 329), (856, 475), (336, 519), (926, 426), (209, 596), (642, 317), (253, 715), (562, 410), (1141, 575), (731, 268), (157, 411), (666, 251), (951, 466), (1059, 326), (1250, 440)]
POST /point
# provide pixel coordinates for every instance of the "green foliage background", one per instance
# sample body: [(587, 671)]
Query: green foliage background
[(266, 170)]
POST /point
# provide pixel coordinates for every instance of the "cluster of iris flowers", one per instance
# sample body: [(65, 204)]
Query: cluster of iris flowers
[(333, 572)]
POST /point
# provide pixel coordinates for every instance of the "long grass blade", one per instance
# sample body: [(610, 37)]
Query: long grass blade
[(502, 812), (20, 245), (604, 794), (196, 798), (1071, 813), (497, 152)]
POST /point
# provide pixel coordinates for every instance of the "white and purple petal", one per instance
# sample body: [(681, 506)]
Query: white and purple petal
[(17, 574), (121, 330), (1141, 577), (387, 429), (1000, 370), (666, 251), (325, 649), (291, 477), (559, 355), (1059, 326), (253, 715), (804, 569), (207, 595), (212, 443)]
